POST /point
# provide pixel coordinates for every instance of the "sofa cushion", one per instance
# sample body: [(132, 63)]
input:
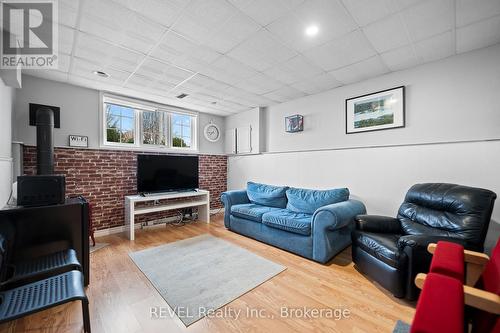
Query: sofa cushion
[(298, 223), (302, 200), (381, 246), (251, 211), (267, 195)]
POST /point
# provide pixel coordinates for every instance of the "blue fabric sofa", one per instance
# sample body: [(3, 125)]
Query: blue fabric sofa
[(315, 224)]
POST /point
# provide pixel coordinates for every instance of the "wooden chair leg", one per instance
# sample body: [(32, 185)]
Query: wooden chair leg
[(86, 316)]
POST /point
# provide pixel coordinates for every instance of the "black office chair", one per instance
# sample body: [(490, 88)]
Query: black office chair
[(32, 264), (36, 283), (44, 294), (392, 251)]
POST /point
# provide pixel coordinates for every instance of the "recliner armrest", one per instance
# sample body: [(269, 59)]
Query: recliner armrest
[(421, 242), (377, 223)]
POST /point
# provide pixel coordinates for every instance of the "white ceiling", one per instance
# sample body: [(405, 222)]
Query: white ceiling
[(233, 55)]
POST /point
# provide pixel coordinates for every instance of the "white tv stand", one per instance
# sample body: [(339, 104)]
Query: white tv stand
[(199, 198)]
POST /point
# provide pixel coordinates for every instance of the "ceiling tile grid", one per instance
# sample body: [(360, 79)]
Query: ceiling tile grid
[(232, 55)]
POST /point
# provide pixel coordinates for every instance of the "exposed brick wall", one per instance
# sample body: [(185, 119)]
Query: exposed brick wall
[(104, 177)]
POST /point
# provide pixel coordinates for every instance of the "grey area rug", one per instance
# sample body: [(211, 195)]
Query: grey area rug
[(401, 327), (202, 273)]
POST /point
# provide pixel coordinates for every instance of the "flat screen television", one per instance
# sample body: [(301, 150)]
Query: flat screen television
[(166, 173)]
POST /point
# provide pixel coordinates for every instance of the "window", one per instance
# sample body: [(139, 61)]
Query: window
[(120, 124), (146, 125), (154, 129), (181, 130)]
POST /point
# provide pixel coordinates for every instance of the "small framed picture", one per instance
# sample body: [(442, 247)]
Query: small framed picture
[(376, 111), (294, 123), (78, 141)]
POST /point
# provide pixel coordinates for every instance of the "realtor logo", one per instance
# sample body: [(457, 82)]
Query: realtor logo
[(29, 34)]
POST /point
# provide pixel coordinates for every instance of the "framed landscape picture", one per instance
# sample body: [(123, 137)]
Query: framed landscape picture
[(376, 111)]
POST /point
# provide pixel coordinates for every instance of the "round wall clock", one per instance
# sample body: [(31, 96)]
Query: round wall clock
[(212, 132)]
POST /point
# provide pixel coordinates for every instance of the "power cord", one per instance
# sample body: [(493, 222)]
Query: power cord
[(9, 199), (217, 212)]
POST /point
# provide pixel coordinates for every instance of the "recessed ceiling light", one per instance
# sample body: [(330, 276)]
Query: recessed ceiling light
[(101, 74), (312, 30)]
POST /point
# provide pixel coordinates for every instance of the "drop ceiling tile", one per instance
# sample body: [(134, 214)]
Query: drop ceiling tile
[(120, 25), (66, 39), (184, 53), (197, 82), (401, 58), (265, 11), (317, 84), (100, 52), (281, 74), (302, 67), (387, 34), (477, 35), (361, 71), (137, 81), (261, 51), (49, 74), (84, 69), (437, 47), (368, 11), (164, 12), (259, 84), (403, 4), (201, 18), (429, 18), (162, 71), (235, 30), (191, 29), (68, 12), (233, 66), (330, 16), (296, 69), (63, 63), (231, 105), (471, 11), (222, 76), (284, 94), (349, 49)]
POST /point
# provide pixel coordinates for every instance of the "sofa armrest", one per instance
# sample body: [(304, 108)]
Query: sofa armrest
[(338, 215), (230, 198), (377, 223), (331, 228)]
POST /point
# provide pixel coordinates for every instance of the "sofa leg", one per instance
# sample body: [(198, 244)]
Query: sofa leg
[(86, 315)]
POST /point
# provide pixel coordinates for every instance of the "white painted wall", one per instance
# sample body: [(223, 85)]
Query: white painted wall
[(253, 118), (455, 99), (452, 99), (79, 114), (6, 101)]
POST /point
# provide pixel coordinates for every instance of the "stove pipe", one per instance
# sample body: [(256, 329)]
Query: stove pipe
[(44, 141)]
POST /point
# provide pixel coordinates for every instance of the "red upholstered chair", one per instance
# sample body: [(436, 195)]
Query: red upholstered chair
[(440, 306), (481, 291)]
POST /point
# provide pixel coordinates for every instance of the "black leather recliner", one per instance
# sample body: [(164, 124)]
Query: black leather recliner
[(393, 250)]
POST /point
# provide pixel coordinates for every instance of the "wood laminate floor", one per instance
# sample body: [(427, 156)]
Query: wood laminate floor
[(121, 297)]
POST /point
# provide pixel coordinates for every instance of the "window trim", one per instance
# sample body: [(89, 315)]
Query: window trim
[(139, 106), (194, 138)]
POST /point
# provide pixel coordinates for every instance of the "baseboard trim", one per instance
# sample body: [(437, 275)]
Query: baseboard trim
[(123, 228)]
